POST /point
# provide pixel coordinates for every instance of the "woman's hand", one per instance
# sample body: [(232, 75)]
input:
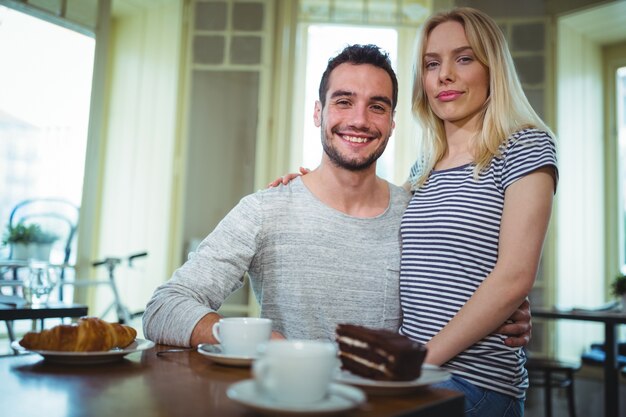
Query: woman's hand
[(286, 179), (518, 327)]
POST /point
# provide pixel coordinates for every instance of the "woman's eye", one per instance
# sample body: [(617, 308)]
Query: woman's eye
[(466, 59), (431, 64)]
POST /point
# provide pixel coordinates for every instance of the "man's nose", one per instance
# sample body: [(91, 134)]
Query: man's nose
[(360, 116)]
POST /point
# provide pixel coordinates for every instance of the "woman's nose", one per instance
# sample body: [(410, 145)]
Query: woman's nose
[(446, 72)]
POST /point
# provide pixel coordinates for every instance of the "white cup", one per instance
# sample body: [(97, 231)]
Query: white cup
[(295, 372), (240, 336)]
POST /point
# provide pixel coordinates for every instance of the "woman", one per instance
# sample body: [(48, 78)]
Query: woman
[(473, 232)]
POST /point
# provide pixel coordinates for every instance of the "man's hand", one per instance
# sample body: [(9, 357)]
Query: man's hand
[(203, 332), (277, 336), (518, 327)]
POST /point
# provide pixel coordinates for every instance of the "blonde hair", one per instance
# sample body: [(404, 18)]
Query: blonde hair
[(506, 109)]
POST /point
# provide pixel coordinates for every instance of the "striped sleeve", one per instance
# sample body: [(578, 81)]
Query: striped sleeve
[(527, 151)]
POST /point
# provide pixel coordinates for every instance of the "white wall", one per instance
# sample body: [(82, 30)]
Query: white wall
[(140, 138), (580, 195)]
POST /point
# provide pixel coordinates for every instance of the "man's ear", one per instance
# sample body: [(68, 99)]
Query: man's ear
[(317, 114)]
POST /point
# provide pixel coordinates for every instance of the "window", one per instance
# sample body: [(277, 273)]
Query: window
[(323, 42), (621, 138), (322, 30), (45, 79)]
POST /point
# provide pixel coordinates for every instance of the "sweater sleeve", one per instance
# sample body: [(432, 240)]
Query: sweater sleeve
[(213, 272)]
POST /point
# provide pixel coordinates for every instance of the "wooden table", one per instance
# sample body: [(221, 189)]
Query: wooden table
[(611, 320), (178, 384)]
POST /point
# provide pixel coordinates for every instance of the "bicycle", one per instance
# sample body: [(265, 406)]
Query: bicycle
[(124, 315)]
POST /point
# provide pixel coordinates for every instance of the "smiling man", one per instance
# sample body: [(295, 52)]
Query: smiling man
[(321, 250)]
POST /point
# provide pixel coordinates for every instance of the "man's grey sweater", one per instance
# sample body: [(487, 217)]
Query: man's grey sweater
[(310, 266)]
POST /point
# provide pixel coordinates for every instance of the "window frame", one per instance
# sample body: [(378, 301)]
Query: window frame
[(614, 57)]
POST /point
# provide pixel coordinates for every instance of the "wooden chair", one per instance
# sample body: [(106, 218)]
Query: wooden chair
[(553, 374)]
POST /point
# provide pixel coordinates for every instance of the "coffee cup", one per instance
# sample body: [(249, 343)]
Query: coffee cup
[(295, 372), (241, 336)]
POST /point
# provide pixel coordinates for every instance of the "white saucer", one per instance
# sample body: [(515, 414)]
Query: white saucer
[(430, 375), (87, 358), (340, 398), (214, 352)]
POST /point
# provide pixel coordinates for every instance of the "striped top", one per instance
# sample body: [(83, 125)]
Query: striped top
[(450, 233)]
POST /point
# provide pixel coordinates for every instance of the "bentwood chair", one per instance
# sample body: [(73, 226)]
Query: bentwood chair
[(56, 216), (60, 217)]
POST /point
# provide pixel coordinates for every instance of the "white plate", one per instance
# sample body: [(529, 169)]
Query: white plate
[(87, 358), (340, 398), (214, 352), (430, 375)]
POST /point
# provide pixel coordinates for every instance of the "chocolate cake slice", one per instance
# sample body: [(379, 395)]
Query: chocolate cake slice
[(379, 354)]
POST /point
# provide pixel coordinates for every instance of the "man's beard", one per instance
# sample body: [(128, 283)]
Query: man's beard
[(355, 164)]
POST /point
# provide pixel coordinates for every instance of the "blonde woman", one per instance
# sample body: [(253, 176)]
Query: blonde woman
[(473, 231)]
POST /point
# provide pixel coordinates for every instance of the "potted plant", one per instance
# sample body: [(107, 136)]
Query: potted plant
[(29, 241), (618, 288)]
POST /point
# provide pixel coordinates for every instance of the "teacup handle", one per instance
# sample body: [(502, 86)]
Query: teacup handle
[(262, 374), (216, 331)]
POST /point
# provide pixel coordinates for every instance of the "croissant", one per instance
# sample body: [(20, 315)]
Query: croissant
[(90, 334)]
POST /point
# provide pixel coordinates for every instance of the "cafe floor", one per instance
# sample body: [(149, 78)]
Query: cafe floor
[(589, 396)]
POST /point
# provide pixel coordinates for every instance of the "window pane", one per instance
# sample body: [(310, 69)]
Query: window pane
[(45, 80), (325, 41), (621, 129)]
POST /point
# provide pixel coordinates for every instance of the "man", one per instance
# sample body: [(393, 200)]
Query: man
[(322, 250)]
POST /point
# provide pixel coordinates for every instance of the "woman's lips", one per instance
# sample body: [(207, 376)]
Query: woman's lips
[(449, 95)]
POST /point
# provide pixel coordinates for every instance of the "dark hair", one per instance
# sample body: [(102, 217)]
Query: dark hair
[(359, 55)]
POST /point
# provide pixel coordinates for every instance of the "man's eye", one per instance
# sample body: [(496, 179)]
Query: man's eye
[(343, 102), (378, 108)]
